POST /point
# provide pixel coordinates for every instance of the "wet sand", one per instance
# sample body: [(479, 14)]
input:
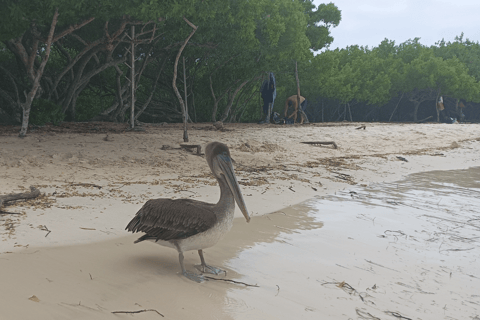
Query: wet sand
[(298, 256), (374, 251)]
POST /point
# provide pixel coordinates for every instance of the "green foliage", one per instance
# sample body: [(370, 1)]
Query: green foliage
[(16, 16), (319, 24), (376, 76), (236, 42), (91, 103), (45, 111), (466, 51)]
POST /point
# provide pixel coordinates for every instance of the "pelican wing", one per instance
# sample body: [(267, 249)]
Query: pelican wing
[(167, 219)]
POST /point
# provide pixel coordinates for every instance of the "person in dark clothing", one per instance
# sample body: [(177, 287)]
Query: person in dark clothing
[(268, 91)]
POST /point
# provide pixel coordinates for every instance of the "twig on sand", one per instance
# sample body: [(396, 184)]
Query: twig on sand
[(347, 288), (399, 232), (321, 142), (5, 212), (366, 315), (44, 228), (453, 221), (381, 265), (139, 311), (396, 315), (86, 184), (456, 249), (233, 281)]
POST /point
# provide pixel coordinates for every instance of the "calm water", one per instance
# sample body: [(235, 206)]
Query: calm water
[(410, 249)]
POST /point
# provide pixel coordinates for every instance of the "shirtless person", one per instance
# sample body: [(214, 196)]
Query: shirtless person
[(291, 105)]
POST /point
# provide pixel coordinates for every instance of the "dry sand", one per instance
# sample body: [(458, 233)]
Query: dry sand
[(67, 256)]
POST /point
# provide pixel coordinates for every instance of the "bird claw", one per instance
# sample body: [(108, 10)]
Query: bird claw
[(194, 277), (209, 269)]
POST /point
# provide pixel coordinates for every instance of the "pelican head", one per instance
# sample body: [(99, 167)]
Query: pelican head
[(220, 162)]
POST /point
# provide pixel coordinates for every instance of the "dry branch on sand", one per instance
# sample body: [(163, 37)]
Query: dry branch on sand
[(138, 311), (34, 192)]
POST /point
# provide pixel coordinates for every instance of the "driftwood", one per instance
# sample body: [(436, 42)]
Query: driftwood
[(86, 184), (361, 127), (138, 311), (191, 146), (232, 281), (321, 142), (34, 192)]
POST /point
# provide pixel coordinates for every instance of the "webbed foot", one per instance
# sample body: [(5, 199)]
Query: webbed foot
[(209, 269), (194, 277)]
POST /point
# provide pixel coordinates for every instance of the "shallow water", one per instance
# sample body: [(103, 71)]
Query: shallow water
[(406, 249)]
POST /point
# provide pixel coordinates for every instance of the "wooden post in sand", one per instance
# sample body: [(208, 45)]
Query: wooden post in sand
[(185, 89)]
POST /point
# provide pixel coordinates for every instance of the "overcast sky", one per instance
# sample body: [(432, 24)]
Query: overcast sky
[(368, 22)]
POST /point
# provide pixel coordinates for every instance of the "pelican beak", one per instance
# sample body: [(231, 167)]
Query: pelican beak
[(225, 164)]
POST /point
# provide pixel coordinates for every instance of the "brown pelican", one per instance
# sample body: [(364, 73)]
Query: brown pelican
[(185, 224)]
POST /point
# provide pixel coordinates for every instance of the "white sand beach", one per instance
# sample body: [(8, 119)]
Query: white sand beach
[(66, 255)]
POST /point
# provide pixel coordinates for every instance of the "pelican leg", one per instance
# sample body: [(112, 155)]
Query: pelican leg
[(205, 268), (190, 275)]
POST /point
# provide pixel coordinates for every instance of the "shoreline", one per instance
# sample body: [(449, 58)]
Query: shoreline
[(93, 186)]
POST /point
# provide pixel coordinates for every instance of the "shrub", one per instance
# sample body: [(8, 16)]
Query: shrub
[(45, 111)]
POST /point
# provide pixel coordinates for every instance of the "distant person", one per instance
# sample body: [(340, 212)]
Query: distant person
[(268, 91), (291, 107), (461, 106), (443, 113)]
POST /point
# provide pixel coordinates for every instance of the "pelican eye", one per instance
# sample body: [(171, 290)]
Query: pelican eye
[(225, 156)]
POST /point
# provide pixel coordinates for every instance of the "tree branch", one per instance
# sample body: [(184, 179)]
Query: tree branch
[(72, 28), (174, 84)]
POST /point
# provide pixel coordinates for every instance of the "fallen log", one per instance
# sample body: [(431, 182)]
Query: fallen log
[(34, 192)]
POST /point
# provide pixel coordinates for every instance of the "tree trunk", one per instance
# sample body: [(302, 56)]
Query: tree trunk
[(174, 84), (416, 104), (132, 80), (396, 107), (232, 98), (149, 99), (27, 106), (215, 100)]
